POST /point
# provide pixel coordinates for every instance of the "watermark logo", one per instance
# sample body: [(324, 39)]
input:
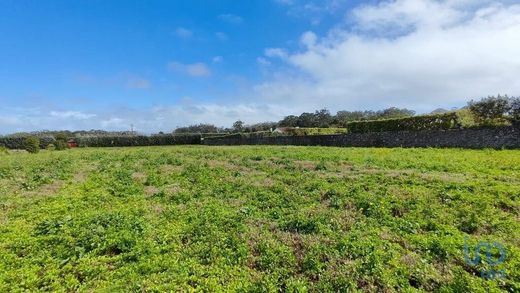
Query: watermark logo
[(494, 253)]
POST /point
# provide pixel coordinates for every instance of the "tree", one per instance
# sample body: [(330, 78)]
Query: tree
[(289, 121), (343, 117), (199, 128), (306, 120), (514, 112), (32, 144), (393, 113), (61, 141), (238, 126), (490, 110), (322, 118)]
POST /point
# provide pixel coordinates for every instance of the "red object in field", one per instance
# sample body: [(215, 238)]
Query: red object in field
[(72, 143)]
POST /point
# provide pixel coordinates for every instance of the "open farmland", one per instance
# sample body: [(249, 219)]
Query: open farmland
[(258, 219)]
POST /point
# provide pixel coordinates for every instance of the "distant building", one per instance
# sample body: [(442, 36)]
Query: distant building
[(72, 143), (284, 129)]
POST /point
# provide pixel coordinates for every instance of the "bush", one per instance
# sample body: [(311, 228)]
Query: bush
[(315, 131), (3, 150), (138, 140), (50, 147), (61, 144), (514, 112), (18, 142), (416, 123), (466, 118), (491, 110), (32, 144)]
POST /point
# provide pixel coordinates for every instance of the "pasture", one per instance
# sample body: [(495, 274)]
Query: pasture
[(259, 219)]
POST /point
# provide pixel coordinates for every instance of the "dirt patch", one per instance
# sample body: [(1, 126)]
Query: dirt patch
[(47, 189), (139, 177), (306, 165), (151, 190), (157, 209), (263, 182), (169, 169)]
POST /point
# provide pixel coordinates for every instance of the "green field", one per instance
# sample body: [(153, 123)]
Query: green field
[(257, 219)]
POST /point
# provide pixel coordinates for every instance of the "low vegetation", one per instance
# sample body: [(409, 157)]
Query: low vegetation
[(258, 219), (32, 144)]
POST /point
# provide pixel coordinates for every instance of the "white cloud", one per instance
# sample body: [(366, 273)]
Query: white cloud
[(231, 18), (218, 59), (221, 36), (308, 39), (137, 83), (183, 33), (314, 10), (412, 53), (146, 120), (262, 61), (196, 69), (275, 53), (71, 115)]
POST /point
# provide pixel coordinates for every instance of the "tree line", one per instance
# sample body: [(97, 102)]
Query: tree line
[(493, 110)]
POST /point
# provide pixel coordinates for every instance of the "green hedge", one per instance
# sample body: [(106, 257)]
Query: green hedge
[(138, 140), (315, 131), (430, 122), (287, 132), (18, 142)]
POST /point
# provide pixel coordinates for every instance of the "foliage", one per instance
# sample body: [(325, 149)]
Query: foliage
[(263, 126), (323, 118), (3, 150), (61, 144), (138, 140), (18, 141), (491, 110), (255, 219), (238, 126), (466, 118), (199, 128), (314, 131), (51, 147), (514, 112), (428, 122), (289, 131), (32, 144)]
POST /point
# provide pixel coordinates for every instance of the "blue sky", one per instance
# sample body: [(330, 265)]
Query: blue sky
[(163, 64)]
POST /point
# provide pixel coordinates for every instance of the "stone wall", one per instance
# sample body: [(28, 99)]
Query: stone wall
[(497, 137)]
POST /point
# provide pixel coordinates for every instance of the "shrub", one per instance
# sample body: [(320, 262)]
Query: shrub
[(428, 122), (466, 118), (18, 142), (3, 150), (61, 144), (32, 144), (138, 140), (491, 110), (514, 112), (50, 147), (315, 131)]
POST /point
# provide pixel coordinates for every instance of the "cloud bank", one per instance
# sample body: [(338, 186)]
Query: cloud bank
[(413, 53)]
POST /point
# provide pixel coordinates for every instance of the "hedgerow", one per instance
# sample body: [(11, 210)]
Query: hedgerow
[(18, 142), (428, 122), (138, 140), (32, 144)]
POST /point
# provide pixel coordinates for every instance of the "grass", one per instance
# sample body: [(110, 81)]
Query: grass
[(257, 219)]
